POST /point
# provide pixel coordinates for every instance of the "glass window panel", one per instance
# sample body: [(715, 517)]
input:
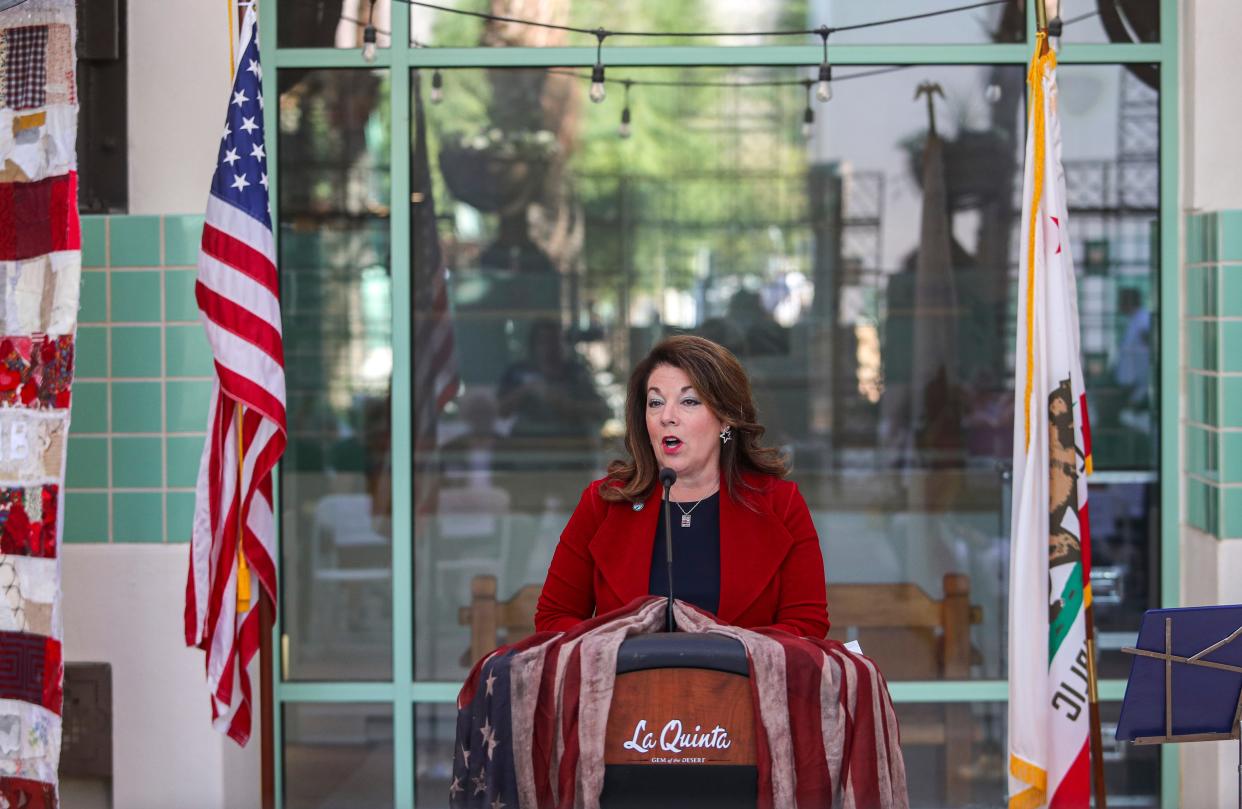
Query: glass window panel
[(570, 251), (335, 475), (999, 23), (332, 23), (338, 756), (1125, 548), (967, 771), (1112, 21), (1111, 135)]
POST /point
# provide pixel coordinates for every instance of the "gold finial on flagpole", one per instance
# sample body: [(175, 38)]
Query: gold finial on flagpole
[(1041, 15)]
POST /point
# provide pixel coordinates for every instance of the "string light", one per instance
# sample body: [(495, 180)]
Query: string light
[(808, 115), (785, 33), (597, 73), (437, 87), (369, 37), (823, 88), (624, 129), (806, 83)]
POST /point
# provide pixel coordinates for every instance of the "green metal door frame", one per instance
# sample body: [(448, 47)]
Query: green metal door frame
[(403, 693)]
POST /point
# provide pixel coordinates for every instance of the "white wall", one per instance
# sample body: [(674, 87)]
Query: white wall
[(178, 53), (122, 605), (1211, 112)]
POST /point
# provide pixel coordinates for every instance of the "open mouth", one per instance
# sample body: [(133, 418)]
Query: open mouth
[(671, 443)]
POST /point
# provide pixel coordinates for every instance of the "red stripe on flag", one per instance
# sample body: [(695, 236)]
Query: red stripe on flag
[(252, 395), (241, 257), (571, 691), (860, 760), (1074, 790), (545, 727), (239, 320), (802, 681)]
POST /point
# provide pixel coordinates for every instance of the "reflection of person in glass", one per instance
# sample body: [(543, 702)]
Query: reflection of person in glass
[(763, 334), (1134, 354), (551, 394), (745, 548)]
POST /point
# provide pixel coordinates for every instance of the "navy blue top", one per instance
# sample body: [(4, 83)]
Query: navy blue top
[(696, 555)]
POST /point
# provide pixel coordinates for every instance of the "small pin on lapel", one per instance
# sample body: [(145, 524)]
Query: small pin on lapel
[(638, 506)]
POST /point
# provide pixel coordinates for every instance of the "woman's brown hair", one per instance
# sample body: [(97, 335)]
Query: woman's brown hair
[(721, 381)]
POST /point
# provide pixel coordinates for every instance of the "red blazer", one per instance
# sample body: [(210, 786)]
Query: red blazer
[(771, 568)]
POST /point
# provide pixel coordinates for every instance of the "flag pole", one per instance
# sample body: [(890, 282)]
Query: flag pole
[(1093, 691), (267, 757), (1093, 700)]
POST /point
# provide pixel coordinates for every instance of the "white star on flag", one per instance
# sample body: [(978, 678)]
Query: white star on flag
[(254, 68), (260, 100), (248, 125), (263, 179), (480, 783), (227, 131), (498, 804), (230, 157), (455, 787), (240, 182), (465, 756), (491, 678), (239, 97)]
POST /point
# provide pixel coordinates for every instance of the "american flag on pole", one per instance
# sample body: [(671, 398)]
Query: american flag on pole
[(234, 533), (1049, 573), (436, 381)]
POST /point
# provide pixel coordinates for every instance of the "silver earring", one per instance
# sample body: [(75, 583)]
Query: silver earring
[(726, 434)]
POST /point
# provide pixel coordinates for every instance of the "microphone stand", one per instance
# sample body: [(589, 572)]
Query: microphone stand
[(668, 549)]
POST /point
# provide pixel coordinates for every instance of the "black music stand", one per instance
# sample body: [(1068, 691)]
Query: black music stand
[(1186, 679)]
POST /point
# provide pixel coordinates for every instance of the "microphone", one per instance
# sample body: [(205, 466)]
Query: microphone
[(667, 478)]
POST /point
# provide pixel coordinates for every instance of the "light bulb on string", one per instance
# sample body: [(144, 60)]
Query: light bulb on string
[(823, 88), (597, 73), (369, 36), (597, 83), (437, 87)]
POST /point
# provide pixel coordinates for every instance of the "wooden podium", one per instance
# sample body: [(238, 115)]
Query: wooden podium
[(681, 728)]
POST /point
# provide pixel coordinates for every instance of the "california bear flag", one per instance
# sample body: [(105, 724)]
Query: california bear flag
[(1049, 566)]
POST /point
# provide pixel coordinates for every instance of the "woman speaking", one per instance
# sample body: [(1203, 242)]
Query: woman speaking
[(745, 548)]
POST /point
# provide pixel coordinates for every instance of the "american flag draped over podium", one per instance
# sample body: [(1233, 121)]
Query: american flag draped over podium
[(532, 718), (234, 533)]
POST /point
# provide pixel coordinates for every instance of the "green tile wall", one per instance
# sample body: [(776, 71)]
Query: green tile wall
[(1213, 373), (143, 382)]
